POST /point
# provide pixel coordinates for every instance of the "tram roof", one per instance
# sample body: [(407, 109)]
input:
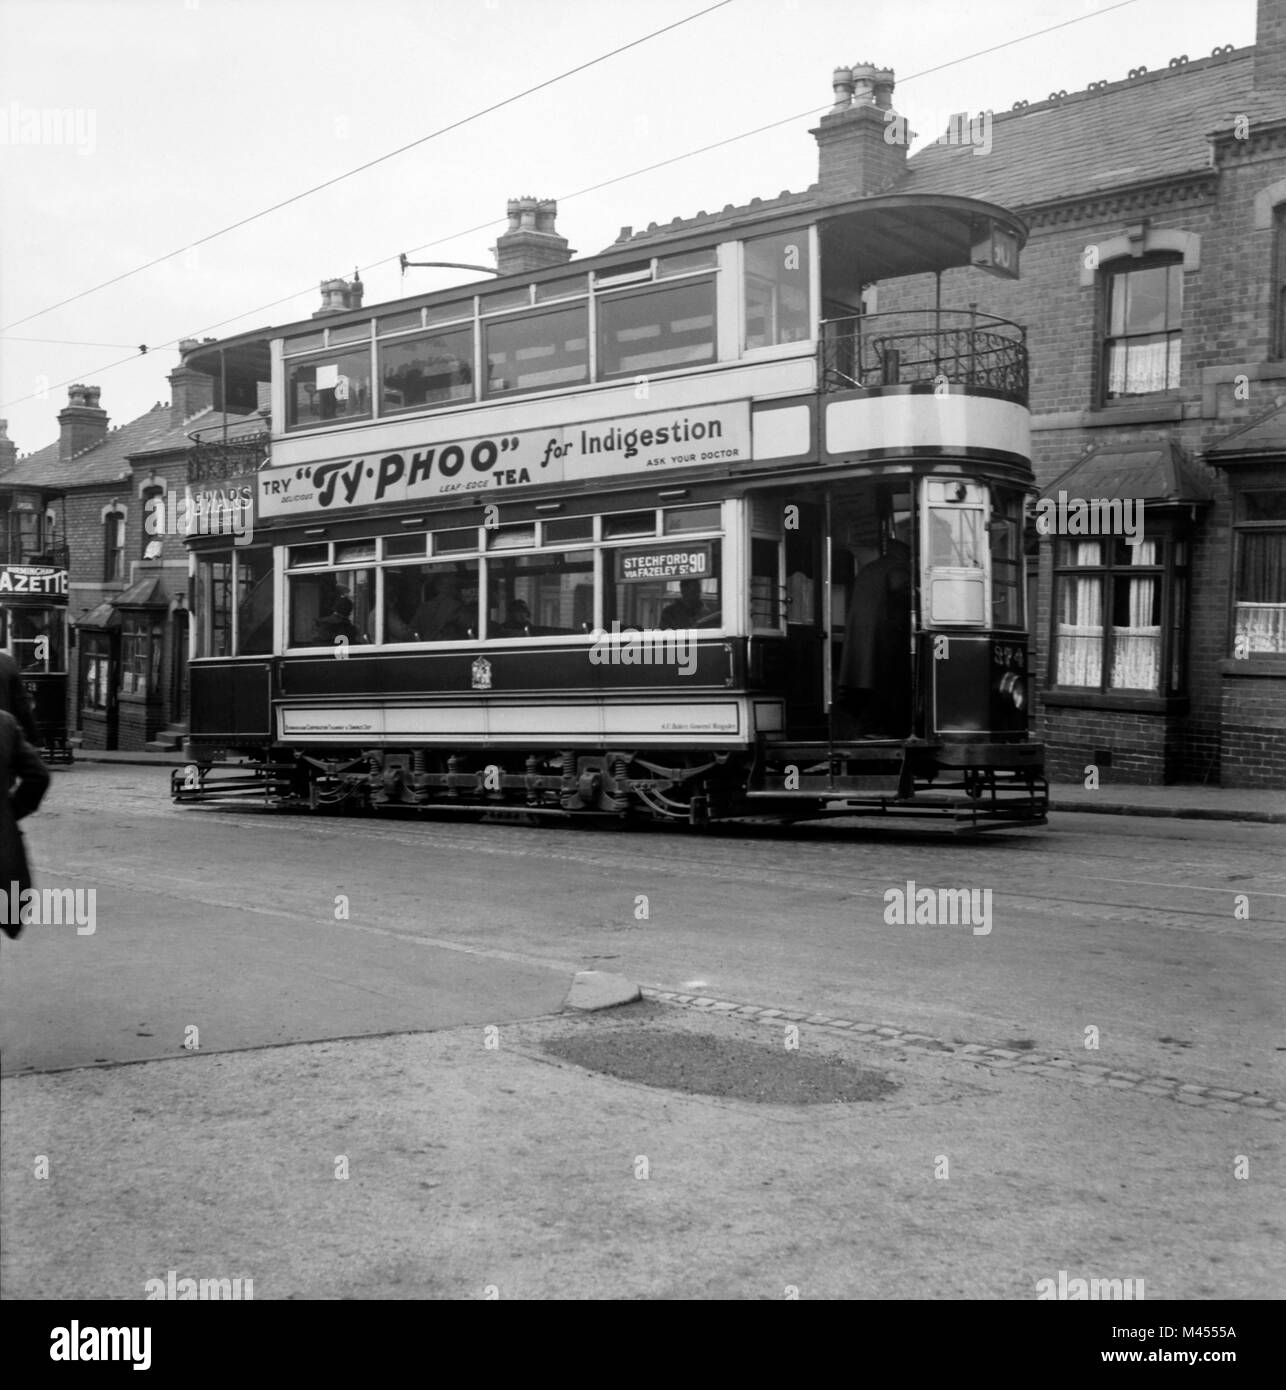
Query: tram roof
[(881, 238)]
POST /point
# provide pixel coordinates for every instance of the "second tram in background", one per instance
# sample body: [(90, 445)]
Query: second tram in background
[(680, 529)]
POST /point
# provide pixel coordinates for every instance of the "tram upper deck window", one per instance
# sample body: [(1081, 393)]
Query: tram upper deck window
[(426, 370), (656, 328), (540, 595), (538, 351), (331, 607), (336, 386), (777, 301)]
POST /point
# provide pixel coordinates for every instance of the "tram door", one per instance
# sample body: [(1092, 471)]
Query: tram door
[(804, 673), (868, 610)]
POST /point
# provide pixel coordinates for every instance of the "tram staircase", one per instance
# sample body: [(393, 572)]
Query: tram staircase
[(168, 740)]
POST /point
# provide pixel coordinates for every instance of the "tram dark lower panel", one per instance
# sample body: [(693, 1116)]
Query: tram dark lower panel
[(986, 787)]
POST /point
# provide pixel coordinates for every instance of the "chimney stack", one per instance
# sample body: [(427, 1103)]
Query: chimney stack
[(860, 151), (1270, 58), (81, 422), (532, 242), (340, 295), (8, 449), (190, 391)]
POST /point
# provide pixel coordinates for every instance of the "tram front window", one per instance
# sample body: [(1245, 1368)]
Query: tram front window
[(37, 639)]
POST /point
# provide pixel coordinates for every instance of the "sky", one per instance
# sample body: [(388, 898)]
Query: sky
[(169, 120)]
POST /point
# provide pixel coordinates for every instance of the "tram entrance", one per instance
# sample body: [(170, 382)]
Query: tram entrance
[(847, 669)]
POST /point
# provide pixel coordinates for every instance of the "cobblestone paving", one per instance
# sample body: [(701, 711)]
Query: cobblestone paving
[(996, 1058)]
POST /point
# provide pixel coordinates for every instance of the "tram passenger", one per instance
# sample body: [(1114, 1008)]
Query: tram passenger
[(689, 609), (339, 623), (441, 614), (517, 621), (875, 669)]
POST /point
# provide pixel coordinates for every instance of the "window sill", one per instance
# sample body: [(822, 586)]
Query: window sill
[(1254, 666), (1145, 413), (1114, 700)]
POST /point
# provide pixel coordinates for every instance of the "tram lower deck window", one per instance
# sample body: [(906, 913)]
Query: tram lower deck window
[(332, 607), (664, 585), (541, 595), (431, 603)]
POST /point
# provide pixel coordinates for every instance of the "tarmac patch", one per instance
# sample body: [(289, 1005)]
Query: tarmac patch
[(698, 1063)]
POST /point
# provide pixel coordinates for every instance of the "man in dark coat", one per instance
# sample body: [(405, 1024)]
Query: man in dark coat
[(13, 697), (875, 670), (18, 759)]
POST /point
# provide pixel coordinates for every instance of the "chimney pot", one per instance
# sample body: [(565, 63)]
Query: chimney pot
[(532, 241)]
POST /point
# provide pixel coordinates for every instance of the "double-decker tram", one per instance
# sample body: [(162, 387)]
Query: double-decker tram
[(689, 530), (33, 631)]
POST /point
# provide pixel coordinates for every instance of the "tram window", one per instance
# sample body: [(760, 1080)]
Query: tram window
[(400, 323), (1005, 532), (395, 546), (351, 333), (511, 537), (254, 601), (571, 288), (637, 596), (308, 342), (765, 582), (654, 329), (538, 351), (677, 519), (502, 300), (337, 387), (571, 528), (955, 538), (450, 542), (777, 289), (37, 639), (426, 371), (212, 605), (431, 603), (352, 552), (449, 313), (541, 595), (686, 262), (325, 607), (629, 524), (309, 555)]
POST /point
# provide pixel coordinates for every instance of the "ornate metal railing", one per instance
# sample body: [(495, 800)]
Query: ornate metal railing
[(924, 347), (14, 550), (215, 459)]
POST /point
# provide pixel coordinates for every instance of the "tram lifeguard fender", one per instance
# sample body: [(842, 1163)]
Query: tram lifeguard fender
[(597, 989)]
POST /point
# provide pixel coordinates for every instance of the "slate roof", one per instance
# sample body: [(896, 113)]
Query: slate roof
[(1128, 132), (1264, 435), (1154, 470), (1136, 131), (108, 460)]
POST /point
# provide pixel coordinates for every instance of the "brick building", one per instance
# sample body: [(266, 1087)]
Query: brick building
[(1154, 289), (106, 503)]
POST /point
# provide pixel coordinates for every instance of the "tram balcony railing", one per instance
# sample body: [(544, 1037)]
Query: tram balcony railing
[(210, 461), (924, 346)]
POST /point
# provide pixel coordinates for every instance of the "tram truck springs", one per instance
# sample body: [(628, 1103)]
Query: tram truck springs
[(676, 531)]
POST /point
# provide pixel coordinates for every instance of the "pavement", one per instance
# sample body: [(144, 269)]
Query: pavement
[(1184, 801)]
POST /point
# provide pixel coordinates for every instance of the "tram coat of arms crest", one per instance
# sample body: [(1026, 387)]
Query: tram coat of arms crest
[(482, 674)]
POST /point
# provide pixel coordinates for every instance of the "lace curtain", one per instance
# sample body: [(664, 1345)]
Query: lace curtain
[(1080, 626), (1136, 645), (1136, 648), (1261, 592)]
